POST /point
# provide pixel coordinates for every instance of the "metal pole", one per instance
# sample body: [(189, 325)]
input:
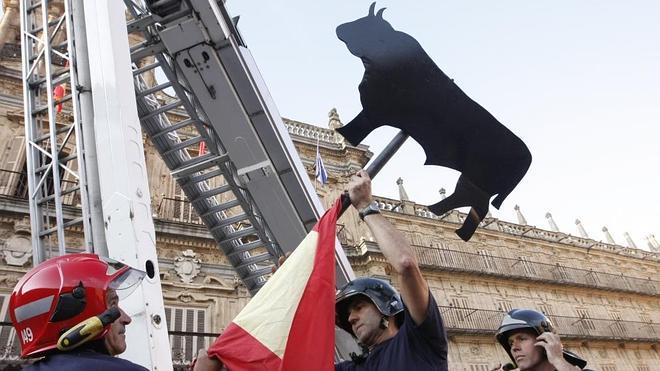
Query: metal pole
[(54, 147), (377, 164), (81, 64), (27, 45)]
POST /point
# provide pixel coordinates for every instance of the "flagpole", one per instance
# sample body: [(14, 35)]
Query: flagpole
[(377, 164)]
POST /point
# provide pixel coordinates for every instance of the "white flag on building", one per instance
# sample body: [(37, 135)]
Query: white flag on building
[(321, 173)]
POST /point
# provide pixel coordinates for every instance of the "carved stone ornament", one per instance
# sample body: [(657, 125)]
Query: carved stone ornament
[(18, 248), (187, 266)]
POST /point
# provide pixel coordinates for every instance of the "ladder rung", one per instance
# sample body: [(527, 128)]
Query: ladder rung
[(200, 178), (228, 221), (35, 6), (223, 206), (173, 127), (146, 68), (52, 196), (61, 130), (185, 144), (64, 99), (245, 247), (140, 24), (73, 222), (254, 260), (64, 225), (54, 77), (210, 193), (43, 168), (39, 110), (197, 164), (161, 109), (154, 89), (68, 158), (257, 273), (142, 51), (238, 234), (50, 23)]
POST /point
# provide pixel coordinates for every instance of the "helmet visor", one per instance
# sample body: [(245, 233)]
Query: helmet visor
[(127, 282)]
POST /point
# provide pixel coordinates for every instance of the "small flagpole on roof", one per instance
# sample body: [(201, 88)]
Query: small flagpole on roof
[(321, 173)]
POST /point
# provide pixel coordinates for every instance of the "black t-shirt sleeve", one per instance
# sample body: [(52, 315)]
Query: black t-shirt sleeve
[(344, 366), (432, 330)]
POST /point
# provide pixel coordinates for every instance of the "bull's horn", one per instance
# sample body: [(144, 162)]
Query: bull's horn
[(380, 13), (371, 9)]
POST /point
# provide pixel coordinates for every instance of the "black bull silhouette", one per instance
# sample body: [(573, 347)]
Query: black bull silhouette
[(403, 88)]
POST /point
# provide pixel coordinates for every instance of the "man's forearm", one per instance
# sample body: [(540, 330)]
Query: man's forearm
[(392, 243)]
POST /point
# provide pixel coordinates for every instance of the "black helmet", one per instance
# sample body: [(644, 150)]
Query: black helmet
[(382, 294), (518, 319)]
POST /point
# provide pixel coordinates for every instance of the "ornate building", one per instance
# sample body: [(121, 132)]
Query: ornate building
[(603, 298)]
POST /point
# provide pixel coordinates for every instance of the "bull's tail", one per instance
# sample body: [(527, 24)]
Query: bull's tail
[(465, 194)]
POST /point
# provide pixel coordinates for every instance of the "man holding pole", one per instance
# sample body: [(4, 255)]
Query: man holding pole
[(398, 332)]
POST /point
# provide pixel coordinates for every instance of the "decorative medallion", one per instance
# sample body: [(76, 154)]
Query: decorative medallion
[(17, 250), (187, 266)]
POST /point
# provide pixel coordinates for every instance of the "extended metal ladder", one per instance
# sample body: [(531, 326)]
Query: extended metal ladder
[(250, 189), (55, 165)]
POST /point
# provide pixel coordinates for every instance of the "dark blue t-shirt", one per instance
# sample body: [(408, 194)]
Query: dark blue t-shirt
[(83, 361), (414, 348)]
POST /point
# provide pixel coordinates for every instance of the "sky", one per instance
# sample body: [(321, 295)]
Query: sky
[(577, 81)]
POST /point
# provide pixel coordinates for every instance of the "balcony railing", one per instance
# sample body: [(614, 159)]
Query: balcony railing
[(178, 210), (185, 345), (482, 321), (15, 184), (519, 230), (434, 257), (457, 321)]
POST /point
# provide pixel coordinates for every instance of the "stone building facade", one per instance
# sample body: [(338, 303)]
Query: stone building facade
[(603, 298)]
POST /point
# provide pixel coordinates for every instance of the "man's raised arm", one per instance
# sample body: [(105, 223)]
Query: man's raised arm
[(395, 248)]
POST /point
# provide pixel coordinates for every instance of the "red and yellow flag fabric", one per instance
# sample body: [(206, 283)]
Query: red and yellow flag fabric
[(289, 324)]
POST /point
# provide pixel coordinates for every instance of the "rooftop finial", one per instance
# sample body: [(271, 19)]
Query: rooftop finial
[(654, 241), (580, 228), (521, 217), (629, 240), (334, 122), (608, 236), (403, 196), (653, 244), (443, 193), (552, 223)]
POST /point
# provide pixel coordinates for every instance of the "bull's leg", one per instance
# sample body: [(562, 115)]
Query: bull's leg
[(466, 194), (497, 201), (356, 130), (474, 217)]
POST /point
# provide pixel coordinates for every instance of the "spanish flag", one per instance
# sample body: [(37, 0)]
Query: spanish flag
[(289, 324)]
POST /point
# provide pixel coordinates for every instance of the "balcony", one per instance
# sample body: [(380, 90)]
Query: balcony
[(481, 321), (446, 259), (518, 230), (177, 210)]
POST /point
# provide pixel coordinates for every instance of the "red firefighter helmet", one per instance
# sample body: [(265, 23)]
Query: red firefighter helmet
[(62, 292)]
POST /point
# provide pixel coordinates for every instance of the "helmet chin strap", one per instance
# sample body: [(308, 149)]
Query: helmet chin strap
[(384, 323)]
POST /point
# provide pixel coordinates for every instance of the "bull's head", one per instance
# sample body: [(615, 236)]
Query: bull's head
[(366, 33)]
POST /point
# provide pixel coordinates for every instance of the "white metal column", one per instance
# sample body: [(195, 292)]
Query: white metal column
[(124, 189), (54, 162)]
